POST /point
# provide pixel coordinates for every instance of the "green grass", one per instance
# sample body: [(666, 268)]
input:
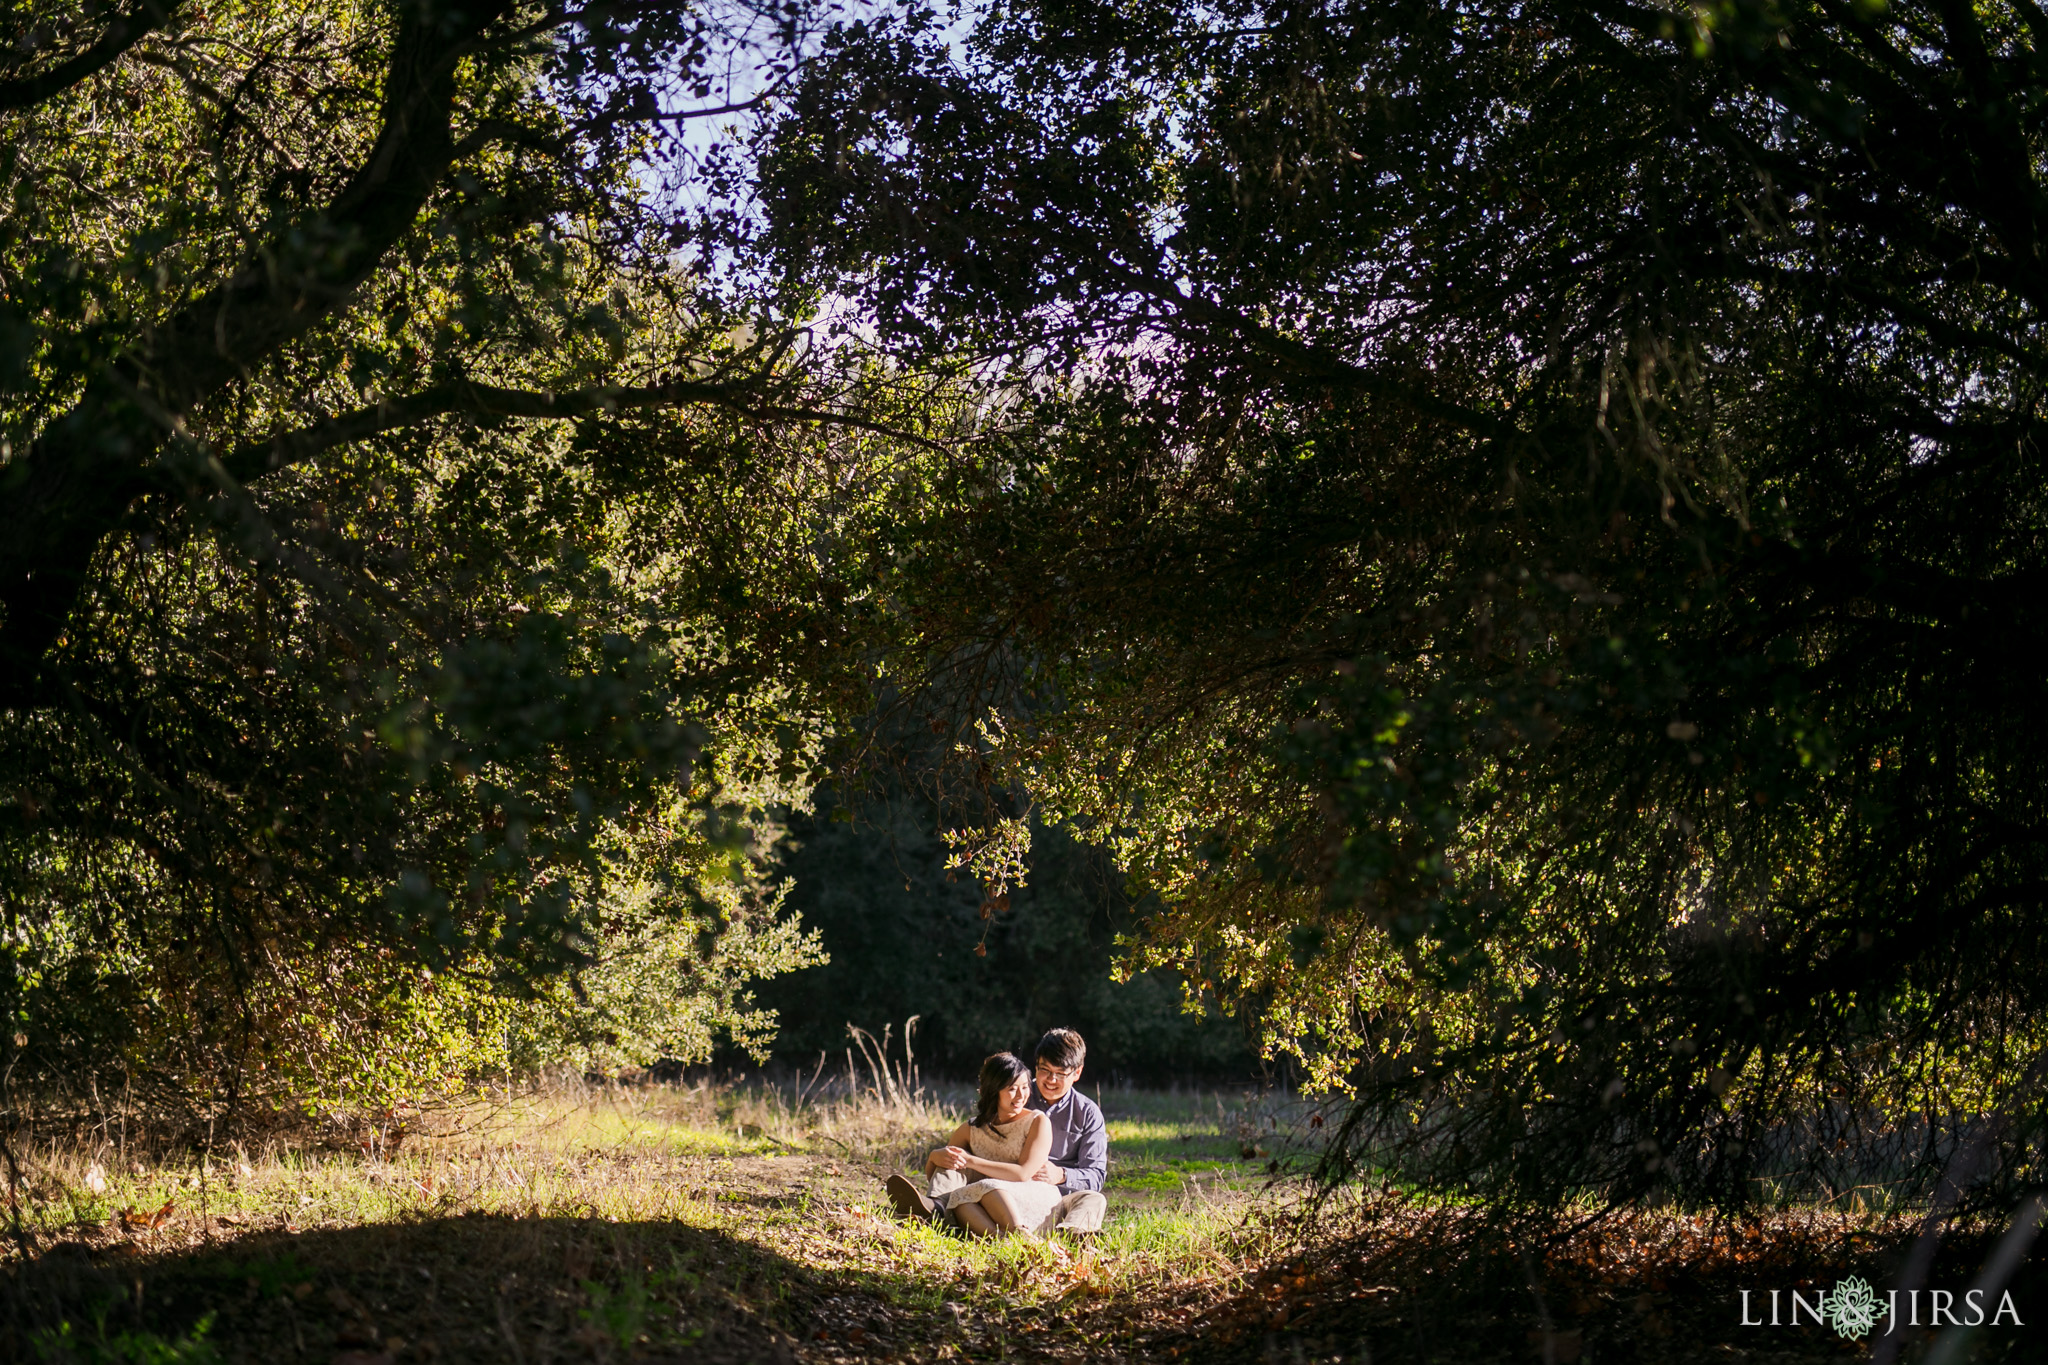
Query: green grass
[(618, 1223), (750, 1224), (68, 1343), (1175, 1175), (1185, 1242), (1181, 1147)]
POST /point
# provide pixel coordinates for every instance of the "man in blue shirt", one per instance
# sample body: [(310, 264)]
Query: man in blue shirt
[(1079, 1159)]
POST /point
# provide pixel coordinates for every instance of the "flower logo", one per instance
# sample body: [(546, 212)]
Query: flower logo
[(1852, 1309)]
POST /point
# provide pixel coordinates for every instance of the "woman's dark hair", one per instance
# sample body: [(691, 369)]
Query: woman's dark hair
[(998, 1074)]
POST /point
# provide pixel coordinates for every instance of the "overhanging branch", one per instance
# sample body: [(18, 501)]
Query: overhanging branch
[(490, 401), (123, 33), (87, 466)]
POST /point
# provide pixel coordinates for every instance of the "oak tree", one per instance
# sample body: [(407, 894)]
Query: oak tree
[(1521, 523)]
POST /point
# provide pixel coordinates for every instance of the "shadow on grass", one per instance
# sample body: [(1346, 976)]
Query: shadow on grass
[(1419, 1286), (466, 1288)]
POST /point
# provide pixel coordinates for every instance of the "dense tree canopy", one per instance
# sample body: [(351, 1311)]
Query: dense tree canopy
[(366, 444), (1519, 522), (1516, 525)]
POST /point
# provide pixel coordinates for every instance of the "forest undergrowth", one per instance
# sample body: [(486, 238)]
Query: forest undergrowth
[(746, 1222)]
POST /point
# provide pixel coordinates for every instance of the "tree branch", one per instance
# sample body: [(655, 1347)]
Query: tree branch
[(1302, 360), (125, 32), (88, 465), (286, 448), (656, 115), (283, 290)]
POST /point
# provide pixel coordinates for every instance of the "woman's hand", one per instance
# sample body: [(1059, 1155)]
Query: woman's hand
[(1035, 1148), (952, 1156)]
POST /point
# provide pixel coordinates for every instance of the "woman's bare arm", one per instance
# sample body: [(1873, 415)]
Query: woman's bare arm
[(1036, 1144), (957, 1142)]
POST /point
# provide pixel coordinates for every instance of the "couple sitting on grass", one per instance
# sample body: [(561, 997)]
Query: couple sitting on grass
[(1032, 1158)]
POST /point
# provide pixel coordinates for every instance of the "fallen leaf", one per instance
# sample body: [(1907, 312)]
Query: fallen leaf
[(149, 1220)]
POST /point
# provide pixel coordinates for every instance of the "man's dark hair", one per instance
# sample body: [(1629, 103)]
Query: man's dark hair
[(1063, 1048)]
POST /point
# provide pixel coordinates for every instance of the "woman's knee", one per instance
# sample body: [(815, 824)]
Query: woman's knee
[(997, 1205)]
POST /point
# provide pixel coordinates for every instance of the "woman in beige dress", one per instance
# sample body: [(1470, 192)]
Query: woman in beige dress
[(984, 1174)]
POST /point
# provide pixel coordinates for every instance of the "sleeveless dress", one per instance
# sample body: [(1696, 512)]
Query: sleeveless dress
[(1037, 1203)]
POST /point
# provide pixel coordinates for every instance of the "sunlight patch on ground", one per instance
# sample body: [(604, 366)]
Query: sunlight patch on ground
[(1152, 1130)]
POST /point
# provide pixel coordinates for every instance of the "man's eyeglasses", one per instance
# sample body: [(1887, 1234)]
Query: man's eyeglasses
[(1057, 1073)]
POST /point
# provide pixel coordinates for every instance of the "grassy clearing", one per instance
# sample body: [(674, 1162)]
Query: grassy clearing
[(703, 1223), (747, 1223)]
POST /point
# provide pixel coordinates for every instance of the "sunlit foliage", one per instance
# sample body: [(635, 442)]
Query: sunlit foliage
[(360, 728)]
